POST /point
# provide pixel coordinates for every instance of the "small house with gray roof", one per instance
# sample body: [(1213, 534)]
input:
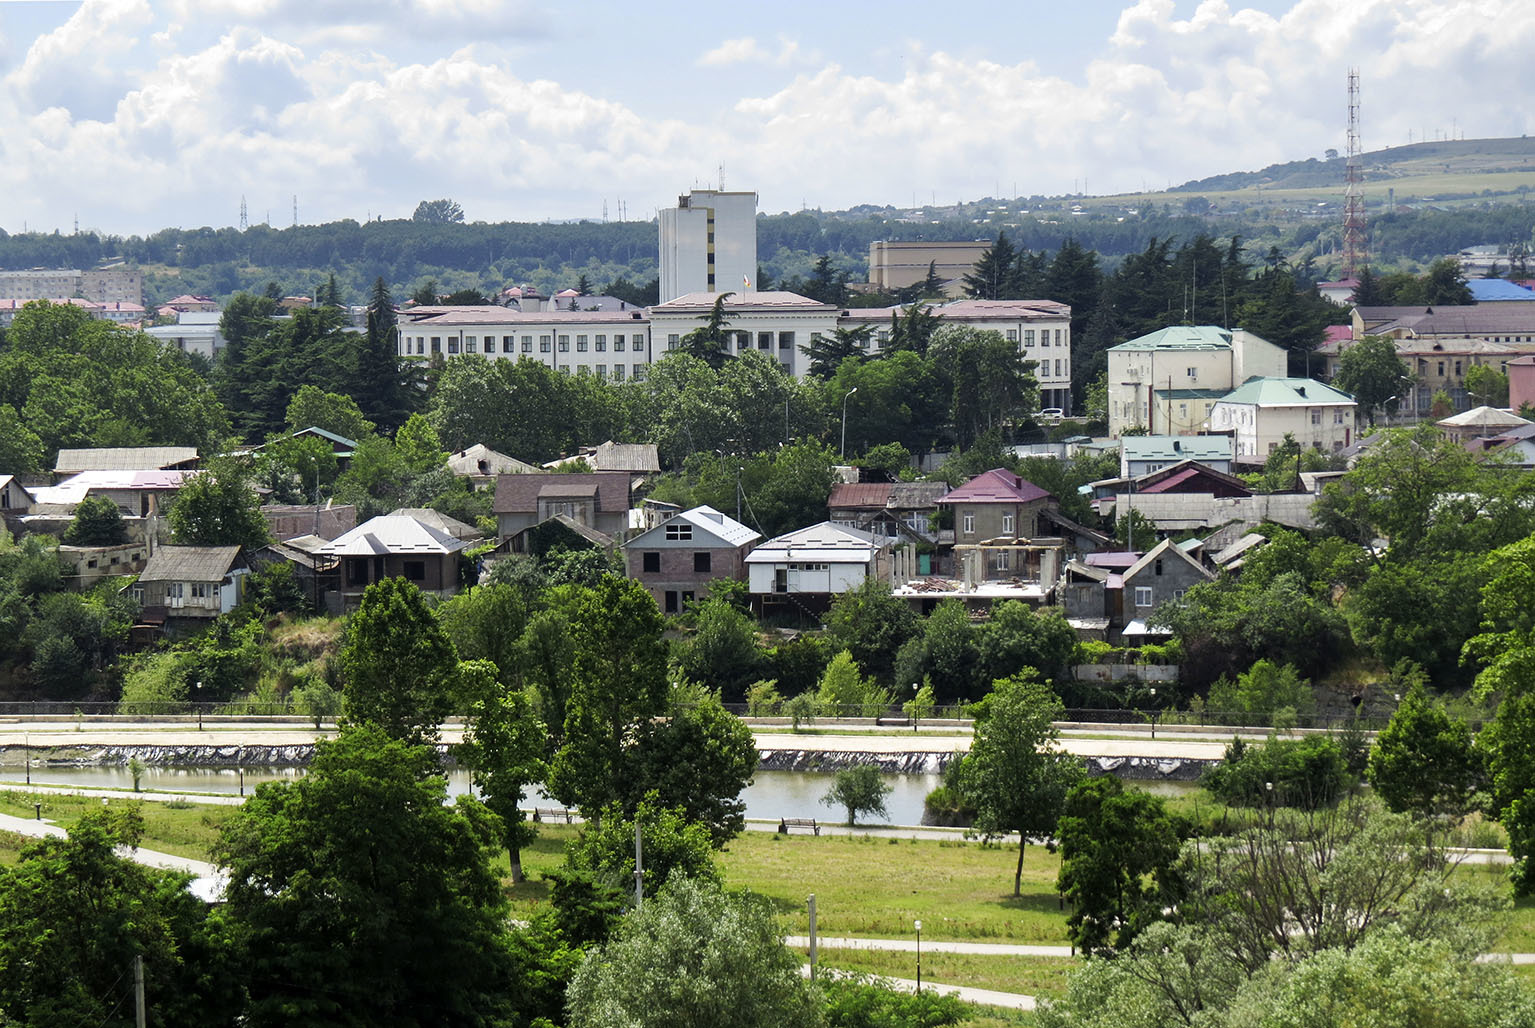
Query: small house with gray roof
[(395, 546), (190, 582), (678, 559)]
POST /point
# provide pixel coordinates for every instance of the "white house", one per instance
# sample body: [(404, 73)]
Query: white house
[(1167, 381), (813, 564), (194, 332), (607, 344), (1262, 411), (777, 324)]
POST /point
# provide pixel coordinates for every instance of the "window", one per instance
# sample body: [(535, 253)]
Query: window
[(1007, 524), (671, 601), (1058, 371), (743, 340), (1060, 337), (1012, 335), (527, 344), (786, 340), (639, 373), (543, 343), (174, 590), (788, 369), (437, 348), (1457, 369), (1316, 417), (764, 340), (650, 562), (701, 562), (583, 370), (452, 345), (602, 371), (679, 531), (969, 524), (618, 344), (1028, 337), (1193, 374), (1143, 596), (672, 340), (580, 344), (199, 591), (564, 344), (1337, 417), (415, 570), (506, 343), (1441, 363), (601, 343), (618, 372), (472, 344)]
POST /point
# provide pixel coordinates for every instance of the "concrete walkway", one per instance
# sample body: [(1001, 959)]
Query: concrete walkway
[(982, 997), (985, 949), (207, 880)]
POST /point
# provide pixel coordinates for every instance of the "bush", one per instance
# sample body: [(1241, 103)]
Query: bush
[(1307, 773), (1264, 688), (864, 1002), (155, 684), (763, 698), (97, 522)]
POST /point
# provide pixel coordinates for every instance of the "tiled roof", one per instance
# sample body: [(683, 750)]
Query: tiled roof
[(518, 494), (189, 564), (916, 495), (996, 486)]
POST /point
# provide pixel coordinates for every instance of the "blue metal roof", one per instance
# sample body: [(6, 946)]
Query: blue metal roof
[(1490, 290)]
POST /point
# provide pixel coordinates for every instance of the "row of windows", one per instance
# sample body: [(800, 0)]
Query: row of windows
[(650, 562), (471, 344), (743, 340)]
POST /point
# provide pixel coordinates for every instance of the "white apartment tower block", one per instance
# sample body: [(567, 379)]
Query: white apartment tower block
[(709, 244)]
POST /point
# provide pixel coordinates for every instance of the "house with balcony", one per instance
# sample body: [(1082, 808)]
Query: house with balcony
[(678, 559), (394, 546), (190, 583)]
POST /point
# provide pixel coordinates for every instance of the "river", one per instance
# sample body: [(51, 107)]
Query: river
[(772, 794)]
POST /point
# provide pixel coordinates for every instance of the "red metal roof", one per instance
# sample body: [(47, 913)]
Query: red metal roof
[(996, 486), (871, 495)]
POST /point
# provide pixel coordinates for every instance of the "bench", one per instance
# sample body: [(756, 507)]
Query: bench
[(892, 719), (551, 814), (786, 823)]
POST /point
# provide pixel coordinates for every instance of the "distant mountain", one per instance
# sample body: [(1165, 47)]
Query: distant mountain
[(1443, 157)]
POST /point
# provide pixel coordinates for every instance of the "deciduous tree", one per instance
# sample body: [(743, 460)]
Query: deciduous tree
[(397, 665)]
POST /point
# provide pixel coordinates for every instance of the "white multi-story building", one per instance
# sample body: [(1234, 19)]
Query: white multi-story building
[(194, 332), (776, 324), (1041, 328), (1167, 381), (101, 285), (708, 243), (608, 344)]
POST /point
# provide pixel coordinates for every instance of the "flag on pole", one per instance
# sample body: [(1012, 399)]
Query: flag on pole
[(745, 282)]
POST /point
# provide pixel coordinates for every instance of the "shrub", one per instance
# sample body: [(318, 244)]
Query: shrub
[(1307, 773)]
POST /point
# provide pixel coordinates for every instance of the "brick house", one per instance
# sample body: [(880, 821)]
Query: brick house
[(395, 546), (676, 560)]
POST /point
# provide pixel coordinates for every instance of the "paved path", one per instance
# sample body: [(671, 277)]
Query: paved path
[(991, 949), (207, 881), (983, 997)]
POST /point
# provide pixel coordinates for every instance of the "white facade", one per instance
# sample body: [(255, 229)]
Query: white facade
[(1168, 382), (608, 344), (708, 243), (194, 332), (776, 324), (1263, 411), (822, 559)]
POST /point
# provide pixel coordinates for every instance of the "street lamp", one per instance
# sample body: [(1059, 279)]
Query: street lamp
[(915, 710), (919, 958), (850, 392), (1153, 712)]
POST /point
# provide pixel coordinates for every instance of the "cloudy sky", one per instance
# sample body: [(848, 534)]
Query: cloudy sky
[(136, 114)]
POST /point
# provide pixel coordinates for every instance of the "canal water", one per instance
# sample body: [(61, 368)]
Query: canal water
[(772, 794)]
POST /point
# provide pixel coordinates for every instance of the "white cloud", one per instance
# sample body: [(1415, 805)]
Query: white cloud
[(193, 102), (746, 50)]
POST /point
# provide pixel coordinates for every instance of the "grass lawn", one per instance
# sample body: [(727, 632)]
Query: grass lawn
[(185, 830), (871, 887), (1031, 976)]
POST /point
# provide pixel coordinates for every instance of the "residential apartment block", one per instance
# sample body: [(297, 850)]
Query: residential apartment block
[(608, 344), (899, 265), (708, 243), (1262, 411), (99, 285), (1167, 381)]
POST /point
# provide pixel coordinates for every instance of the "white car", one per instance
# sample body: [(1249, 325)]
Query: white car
[(1051, 414)]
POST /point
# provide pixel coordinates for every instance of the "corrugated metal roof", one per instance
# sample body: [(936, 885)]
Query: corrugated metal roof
[(391, 534), (1286, 392), (189, 564), (122, 458), (996, 486), (861, 495), (708, 520), (822, 542)]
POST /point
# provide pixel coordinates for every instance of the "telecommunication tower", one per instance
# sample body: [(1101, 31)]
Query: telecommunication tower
[(244, 219), (1356, 251)]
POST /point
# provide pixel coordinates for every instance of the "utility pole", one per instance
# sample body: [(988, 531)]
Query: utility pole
[(138, 992), (811, 901), (639, 868)]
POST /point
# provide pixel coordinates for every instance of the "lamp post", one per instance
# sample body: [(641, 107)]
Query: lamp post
[(919, 958), (850, 392), (915, 710), (1153, 712)]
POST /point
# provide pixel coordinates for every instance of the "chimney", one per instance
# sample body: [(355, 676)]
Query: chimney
[(1017, 481)]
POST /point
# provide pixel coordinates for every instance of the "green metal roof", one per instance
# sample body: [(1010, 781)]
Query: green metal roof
[(1286, 392), (1191, 394), (1181, 337)]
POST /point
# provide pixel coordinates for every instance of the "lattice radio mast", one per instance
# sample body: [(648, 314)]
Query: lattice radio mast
[(244, 219), (1356, 251)]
